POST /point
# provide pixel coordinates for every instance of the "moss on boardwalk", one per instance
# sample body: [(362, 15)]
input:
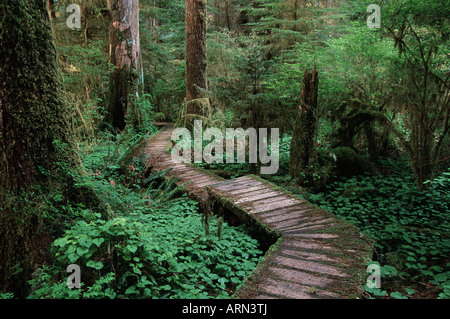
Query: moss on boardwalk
[(311, 253)]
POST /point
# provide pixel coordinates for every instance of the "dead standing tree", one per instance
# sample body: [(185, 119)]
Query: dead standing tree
[(303, 140)]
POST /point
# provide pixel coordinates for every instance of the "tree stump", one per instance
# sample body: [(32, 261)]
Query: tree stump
[(303, 140)]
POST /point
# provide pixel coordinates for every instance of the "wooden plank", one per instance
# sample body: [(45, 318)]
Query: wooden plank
[(285, 219), (244, 191), (210, 182), (299, 277), (201, 179), (306, 229), (192, 174), (319, 220), (264, 201), (197, 180), (237, 180), (310, 266), (254, 198), (293, 226), (284, 289), (179, 167), (299, 207), (236, 186), (316, 236), (315, 244), (272, 206), (303, 224), (292, 281), (311, 256), (176, 169), (254, 192)]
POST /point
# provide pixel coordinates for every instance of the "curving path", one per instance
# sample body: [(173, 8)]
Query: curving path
[(314, 254)]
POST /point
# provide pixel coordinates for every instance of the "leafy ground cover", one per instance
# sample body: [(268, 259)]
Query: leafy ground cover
[(158, 252), (410, 229), (151, 243)]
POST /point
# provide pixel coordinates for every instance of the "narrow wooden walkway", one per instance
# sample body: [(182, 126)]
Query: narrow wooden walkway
[(316, 254)]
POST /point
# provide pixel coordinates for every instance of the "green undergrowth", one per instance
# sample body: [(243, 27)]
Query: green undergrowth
[(157, 252), (151, 243), (410, 228)]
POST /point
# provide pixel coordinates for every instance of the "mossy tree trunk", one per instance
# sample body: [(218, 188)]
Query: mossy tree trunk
[(197, 102), (125, 55), (36, 144), (303, 140)]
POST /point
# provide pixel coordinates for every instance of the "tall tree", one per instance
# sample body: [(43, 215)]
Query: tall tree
[(125, 55), (37, 155), (197, 102)]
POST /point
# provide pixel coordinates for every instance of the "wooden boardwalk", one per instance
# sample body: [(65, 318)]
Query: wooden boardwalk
[(314, 254)]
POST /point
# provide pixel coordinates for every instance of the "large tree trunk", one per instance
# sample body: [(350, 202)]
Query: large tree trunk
[(36, 144), (125, 55), (302, 145), (197, 102)]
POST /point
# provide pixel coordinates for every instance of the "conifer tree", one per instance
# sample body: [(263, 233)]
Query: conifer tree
[(125, 55), (37, 157), (197, 103)]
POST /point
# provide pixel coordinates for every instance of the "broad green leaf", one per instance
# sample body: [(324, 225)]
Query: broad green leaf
[(397, 295), (95, 264), (73, 257), (81, 251), (132, 248)]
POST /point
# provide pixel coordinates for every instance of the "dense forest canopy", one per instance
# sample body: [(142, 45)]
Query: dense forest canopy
[(362, 108)]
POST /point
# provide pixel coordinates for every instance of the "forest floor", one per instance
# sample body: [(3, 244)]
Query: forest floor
[(410, 229), (155, 257)]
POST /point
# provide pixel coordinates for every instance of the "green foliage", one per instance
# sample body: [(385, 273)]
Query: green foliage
[(237, 70), (410, 228), (86, 70), (8, 295), (140, 116), (138, 249), (147, 255), (162, 43), (370, 85)]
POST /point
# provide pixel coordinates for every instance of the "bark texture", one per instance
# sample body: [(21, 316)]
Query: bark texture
[(303, 140), (125, 55), (197, 103), (33, 112), (35, 136)]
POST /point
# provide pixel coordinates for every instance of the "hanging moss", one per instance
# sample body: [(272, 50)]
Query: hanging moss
[(360, 118), (197, 109)]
